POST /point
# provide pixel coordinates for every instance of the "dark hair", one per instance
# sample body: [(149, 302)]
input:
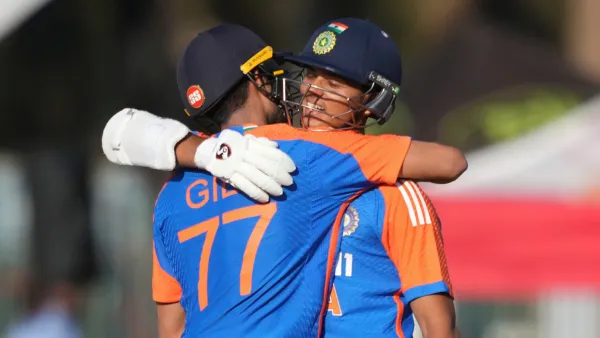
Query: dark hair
[(210, 122), (233, 100)]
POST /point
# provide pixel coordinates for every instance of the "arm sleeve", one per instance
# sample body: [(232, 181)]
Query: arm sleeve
[(350, 160), (378, 158), (165, 288), (344, 161), (412, 236)]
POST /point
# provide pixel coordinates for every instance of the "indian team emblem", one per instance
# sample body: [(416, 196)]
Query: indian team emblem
[(324, 43), (350, 221)]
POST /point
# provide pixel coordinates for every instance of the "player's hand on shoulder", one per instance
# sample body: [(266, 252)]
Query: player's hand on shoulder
[(139, 138), (255, 166)]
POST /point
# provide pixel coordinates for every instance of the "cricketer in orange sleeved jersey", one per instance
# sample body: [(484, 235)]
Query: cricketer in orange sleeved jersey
[(386, 268), (248, 277), (235, 262), (391, 254)]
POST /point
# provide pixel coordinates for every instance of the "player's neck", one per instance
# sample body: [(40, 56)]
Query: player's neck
[(244, 116), (250, 113), (357, 130)]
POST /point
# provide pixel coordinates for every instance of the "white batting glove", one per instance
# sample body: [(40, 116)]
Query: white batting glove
[(138, 138), (253, 165)]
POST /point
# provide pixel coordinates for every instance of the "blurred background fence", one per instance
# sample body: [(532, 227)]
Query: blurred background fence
[(513, 83)]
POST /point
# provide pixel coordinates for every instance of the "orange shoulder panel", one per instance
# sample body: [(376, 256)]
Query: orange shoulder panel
[(380, 157), (412, 235)]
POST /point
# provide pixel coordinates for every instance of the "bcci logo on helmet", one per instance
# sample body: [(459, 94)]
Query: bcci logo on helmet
[(224, 152), (350, 221), (324, 43)]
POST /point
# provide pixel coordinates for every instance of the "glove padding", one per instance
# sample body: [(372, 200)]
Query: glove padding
[(138, 138), (253, 165)]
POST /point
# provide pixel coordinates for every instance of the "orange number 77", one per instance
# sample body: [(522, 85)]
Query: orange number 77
[(210, 227)]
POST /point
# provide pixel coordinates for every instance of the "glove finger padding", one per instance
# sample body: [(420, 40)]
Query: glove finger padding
[(254, 166), (266, 142), (283, 160), (244, 185), (271, 168), (260, 179)]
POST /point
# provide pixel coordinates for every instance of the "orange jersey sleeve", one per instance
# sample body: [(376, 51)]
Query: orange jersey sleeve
[(412, 237), (380, 158), (165, 288)]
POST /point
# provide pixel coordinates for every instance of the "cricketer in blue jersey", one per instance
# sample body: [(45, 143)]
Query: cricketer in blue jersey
[(240, 269), (349, 161), (391, 257)]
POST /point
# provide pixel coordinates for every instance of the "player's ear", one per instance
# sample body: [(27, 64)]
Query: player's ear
[(362, 117), (365, 99), (256, 76)]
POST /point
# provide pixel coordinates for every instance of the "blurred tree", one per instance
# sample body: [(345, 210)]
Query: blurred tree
[(43, 79), (63, 73), (539, 18), (582, 25), (286, 24), (491, 67)]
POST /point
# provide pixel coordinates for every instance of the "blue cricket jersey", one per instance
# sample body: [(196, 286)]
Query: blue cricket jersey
[(391, 254), (242, 269)]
